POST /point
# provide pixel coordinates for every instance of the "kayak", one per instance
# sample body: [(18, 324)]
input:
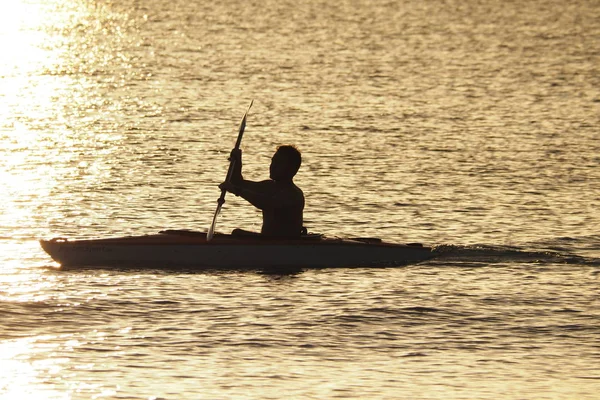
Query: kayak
[(177, 248)]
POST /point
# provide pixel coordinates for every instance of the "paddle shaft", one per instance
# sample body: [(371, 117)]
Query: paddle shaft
[(221, 200)]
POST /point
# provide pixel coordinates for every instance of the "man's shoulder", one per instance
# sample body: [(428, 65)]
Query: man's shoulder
[(267, 184), (289, 187), (289, 192), (296, 195), (298, 191)]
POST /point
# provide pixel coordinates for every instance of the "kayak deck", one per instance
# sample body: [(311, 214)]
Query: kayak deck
[(191, 249)]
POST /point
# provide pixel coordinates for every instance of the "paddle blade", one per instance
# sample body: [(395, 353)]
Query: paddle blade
[(243, 126), (211, 230)]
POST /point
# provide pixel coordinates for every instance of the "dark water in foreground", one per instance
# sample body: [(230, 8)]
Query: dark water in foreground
[(469, 126)]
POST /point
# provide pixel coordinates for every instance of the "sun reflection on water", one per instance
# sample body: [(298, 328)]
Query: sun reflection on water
[(32, 106), (48, 105), (23, 370), (26, 99), (20, 37)]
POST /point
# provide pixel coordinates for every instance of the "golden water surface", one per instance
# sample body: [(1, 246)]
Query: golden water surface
[(468, 124)]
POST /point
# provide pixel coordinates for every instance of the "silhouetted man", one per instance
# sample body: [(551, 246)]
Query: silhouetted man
[(281, 201)]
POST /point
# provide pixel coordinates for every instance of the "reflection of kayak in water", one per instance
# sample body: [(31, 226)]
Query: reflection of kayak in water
[(191, 249)]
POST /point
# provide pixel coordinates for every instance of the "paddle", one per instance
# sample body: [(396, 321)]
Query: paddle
[(221, 201)]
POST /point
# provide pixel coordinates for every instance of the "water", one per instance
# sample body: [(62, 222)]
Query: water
[(471, 126)]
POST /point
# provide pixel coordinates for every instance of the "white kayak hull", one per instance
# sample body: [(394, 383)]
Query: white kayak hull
[(190, 249)]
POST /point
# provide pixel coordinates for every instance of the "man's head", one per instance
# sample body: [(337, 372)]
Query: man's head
[(285, 163)]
